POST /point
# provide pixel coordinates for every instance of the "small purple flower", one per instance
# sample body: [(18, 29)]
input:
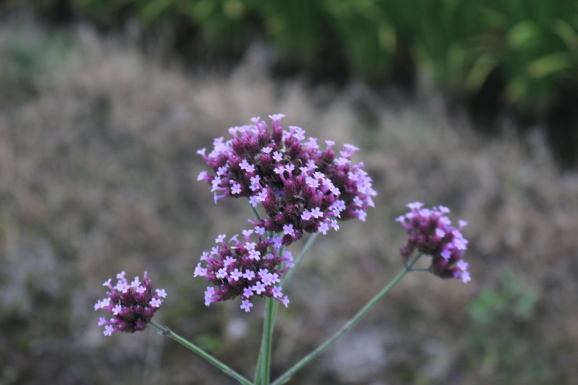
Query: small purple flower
[(430, 232), (132, 306), (246, 305), (245, 269), (302, 188)]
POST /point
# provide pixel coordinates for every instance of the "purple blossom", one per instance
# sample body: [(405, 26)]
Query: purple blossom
[(245, 269), (430, 232), (132, 306), (301, 187), (246, 305)]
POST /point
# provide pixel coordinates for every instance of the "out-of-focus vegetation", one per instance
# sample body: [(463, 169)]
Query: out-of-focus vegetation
[(528, 48), (98, 171), (502, 349)]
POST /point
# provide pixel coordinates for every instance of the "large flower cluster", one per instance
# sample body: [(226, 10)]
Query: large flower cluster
[(245, 269), (131, 304), (431, 233), (301, 187)]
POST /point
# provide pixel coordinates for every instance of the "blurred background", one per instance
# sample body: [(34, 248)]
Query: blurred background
[(469, 104)]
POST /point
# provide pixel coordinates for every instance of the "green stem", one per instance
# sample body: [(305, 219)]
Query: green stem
[(227, 370), (305, 250), (263, 374), (255, 212), (348, 326), (263, 371)]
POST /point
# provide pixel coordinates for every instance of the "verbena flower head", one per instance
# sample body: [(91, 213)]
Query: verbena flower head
[(131, 304), (302, 187), (431, 233), (245, 269)]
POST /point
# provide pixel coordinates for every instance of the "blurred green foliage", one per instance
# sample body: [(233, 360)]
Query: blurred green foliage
[(502, 347), (27, 59), (532, 45)]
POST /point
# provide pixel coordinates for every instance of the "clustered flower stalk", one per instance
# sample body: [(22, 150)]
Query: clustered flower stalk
[(430, 232), (132, 305), (301, 188)]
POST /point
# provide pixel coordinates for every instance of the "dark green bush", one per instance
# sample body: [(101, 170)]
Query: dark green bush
[(457, 44)]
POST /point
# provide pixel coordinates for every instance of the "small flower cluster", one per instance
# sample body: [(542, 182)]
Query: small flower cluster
[(132, 304), (431, 233), (301, 187), (245, 269)]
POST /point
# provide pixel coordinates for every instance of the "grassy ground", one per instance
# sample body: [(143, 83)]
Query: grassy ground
[(98, 171)]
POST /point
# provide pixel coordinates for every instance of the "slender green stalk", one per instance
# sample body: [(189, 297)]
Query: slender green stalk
[(263, 374), (258, 217), (227, 370), (348, 326), (263, 371), (305, 250), (255, 212)]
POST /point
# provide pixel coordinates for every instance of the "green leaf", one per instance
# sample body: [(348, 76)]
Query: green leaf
[(566, 33), (493, 18), (522, 34), (153, 9), (479, 72), (517, 87), (234, 9), (548, 65), (387, 37)]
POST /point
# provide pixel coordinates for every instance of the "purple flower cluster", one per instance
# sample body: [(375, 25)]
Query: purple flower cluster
[(245, 269), (131, 304), (302, 188), (431, 233)]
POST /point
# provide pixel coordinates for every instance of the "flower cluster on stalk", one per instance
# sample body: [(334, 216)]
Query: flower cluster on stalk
[(430, 232), (245, 269), (302, 188), (132, 304)]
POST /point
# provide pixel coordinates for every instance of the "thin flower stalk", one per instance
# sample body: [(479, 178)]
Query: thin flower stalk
[(263, 372), (189, 345), (348, 326), (297, 262)]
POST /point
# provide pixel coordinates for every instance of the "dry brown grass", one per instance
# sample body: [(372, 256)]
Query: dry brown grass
[(97, 175)]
